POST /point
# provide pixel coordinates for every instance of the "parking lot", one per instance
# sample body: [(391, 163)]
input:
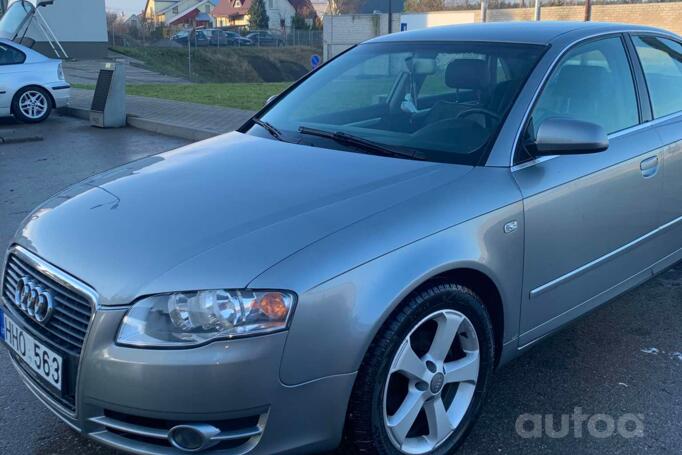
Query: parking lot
[(623, 362)]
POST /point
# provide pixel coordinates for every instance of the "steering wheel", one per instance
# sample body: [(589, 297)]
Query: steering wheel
[(480, 110)]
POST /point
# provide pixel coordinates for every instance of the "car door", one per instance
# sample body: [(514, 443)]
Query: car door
[(661, 60), (11, 64), (587, 217)]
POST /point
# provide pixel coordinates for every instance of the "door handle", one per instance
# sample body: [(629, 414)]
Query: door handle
[(649, 167)]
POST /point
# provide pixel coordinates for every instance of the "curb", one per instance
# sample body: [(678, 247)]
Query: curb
[(153, 126)]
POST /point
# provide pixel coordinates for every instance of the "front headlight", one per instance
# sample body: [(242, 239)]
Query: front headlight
[(192, 318)]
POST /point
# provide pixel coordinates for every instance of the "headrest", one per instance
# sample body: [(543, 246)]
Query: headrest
[(467, 73), (424, 66), (582, 81)]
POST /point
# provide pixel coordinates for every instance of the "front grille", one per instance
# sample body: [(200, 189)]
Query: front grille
[(68, 325)]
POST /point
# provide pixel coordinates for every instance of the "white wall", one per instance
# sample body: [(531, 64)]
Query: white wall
[(281, 9), (346, 30), (415, 21), (75, 20)]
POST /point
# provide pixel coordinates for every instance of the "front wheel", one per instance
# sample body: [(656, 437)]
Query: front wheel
[(31, 105), (424, 379)]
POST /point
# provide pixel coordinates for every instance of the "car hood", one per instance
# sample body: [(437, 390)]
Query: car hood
[(215, 214)]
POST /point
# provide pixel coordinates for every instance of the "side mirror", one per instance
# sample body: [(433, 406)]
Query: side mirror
[(565, 136), (270, 100)]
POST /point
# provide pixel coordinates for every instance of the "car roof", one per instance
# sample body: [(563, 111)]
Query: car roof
[(536, 32)]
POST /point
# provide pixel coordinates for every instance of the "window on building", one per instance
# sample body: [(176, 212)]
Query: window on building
[(175, 10), (662, 64), (271, 4), (237, 4)]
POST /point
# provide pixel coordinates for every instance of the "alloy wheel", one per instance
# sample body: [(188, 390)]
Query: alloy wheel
[(33, 104), (431, 382)]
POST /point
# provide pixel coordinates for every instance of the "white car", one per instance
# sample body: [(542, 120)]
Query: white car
[(31, 85)]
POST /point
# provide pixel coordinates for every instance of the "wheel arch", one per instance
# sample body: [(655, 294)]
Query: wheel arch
[(484, 287), (29, 86)]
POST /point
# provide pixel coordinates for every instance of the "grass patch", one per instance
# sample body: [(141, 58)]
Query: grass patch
[(249, 96), (227, 64)]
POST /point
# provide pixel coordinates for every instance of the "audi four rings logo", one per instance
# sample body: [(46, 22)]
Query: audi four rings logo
[(37, 303)]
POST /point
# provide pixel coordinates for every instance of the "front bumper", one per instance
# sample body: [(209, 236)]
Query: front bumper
[(129, 398)]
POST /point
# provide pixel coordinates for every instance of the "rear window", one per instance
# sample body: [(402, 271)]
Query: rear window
[(10, 55), (662, 64)]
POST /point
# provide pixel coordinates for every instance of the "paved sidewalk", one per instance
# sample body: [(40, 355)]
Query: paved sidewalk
[(86, 71), (174, 118)]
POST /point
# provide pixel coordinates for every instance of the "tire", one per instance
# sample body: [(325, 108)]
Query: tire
[(32, 105), (376, 402)]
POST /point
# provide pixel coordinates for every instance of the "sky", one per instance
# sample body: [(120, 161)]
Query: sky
[(128, 7)]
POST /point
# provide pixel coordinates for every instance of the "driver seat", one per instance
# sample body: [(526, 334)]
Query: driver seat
[(462, 74)]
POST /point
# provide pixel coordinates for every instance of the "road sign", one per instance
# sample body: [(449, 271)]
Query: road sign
[(315, 61)]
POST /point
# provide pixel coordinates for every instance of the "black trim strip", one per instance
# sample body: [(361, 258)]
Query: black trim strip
[(61, 87), (646, 110)]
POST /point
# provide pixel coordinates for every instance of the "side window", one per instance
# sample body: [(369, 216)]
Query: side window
[(11, 56), (592, 83), (662, 64)]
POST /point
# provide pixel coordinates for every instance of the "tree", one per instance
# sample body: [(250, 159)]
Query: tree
[(298, 23), (258, 16), (343, 6), (424, 5)]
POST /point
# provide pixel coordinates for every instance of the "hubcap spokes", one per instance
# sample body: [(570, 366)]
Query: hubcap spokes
[(33, 104), (441, 381)]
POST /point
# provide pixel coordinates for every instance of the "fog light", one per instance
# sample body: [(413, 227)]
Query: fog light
[(193, 438)]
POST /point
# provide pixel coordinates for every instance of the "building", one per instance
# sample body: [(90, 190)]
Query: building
[(381, 6), (280, 12), (179, 12), (83, 35)]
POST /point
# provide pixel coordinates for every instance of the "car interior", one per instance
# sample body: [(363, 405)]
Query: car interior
[(437, 104)]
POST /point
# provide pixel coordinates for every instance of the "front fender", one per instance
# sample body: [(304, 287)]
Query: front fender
[(335, 322)]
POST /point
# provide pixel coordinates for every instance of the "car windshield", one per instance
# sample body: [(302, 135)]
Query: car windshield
[(435, 101)]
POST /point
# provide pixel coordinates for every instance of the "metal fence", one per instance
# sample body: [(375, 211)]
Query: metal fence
[(121, 35)]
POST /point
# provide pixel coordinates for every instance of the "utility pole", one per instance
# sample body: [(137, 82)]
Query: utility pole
[(189, 54), (390, 17), (588, 10), (538, 4), (484, 10)]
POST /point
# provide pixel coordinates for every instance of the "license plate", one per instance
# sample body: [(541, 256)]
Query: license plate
[(40, 359)]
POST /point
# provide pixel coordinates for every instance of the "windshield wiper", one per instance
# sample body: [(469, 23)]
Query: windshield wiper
[(355, 141), (274, 132)]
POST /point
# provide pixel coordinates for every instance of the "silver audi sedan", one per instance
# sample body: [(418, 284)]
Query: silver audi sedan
[(352, 265)]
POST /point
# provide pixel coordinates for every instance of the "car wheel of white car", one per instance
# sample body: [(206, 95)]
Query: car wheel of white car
[(32, 105), (425, 377)]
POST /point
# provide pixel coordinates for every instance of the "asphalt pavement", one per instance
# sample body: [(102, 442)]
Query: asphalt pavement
[(619, 369)]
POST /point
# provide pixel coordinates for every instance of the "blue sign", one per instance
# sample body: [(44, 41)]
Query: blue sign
[(403, 26), (315, 61)]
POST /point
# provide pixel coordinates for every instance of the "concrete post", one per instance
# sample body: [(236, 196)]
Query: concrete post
[(484, 10)]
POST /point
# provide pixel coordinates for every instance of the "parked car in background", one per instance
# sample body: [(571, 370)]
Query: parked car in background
[(355, 262), (235, 39), (31, 84), (266, 38), (227, 38), (198, 38)]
